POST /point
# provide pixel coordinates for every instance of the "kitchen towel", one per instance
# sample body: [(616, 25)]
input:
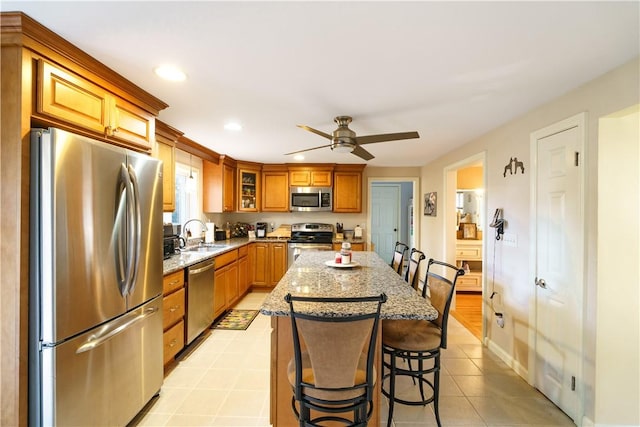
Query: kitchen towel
[(208, 235)]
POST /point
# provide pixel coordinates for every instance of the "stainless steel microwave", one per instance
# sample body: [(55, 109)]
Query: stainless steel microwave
[(310, 199)]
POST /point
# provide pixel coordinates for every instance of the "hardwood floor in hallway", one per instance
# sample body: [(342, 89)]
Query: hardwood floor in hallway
[(469, 312)]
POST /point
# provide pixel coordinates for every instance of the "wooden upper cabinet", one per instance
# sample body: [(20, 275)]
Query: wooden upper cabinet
[(218, 185), (314, 176), (66, 97), (275, 188), (248, 184), (347, 188), (166, 137)]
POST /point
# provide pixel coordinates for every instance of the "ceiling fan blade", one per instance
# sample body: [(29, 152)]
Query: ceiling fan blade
[(308, 149), (316, 131), (370, 139), (362, 153)]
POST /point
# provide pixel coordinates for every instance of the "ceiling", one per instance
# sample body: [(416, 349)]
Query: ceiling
[(450, 70)]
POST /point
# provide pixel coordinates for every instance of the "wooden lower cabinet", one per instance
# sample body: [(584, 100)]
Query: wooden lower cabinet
[(225, 287), (270, 263), (219, 292), (173, 339), (243, 271), (173, 311)]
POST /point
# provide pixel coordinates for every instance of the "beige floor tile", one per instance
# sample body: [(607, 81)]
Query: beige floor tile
[(239, 421), (219, 379), (242, 403), (203, 402), (149, 419), (168, 401), (493, 385), (460, 367), (183, 377), (488, 365), (253, 379), (189, 420)]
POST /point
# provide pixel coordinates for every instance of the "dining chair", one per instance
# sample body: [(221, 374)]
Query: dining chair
[(420, 341), (399, 252), (332, 371)]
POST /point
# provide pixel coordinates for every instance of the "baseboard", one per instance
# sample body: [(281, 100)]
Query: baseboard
[(506, 358)]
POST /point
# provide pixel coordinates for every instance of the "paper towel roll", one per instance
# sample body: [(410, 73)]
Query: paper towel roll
[(208, 235)]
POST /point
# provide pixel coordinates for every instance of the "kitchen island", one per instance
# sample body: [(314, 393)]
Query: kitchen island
[(310, 276)]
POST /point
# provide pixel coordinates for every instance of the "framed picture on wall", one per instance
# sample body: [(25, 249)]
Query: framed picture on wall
[(430, 203), (469, 230)]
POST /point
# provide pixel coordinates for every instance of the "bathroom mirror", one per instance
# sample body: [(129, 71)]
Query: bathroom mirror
[(470, 205)]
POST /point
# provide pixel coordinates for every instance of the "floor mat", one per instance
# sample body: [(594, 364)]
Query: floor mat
[(237, 320)]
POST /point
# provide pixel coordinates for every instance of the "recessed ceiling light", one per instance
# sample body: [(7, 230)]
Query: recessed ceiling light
[(170, 72), (233, 126), (298, 157)]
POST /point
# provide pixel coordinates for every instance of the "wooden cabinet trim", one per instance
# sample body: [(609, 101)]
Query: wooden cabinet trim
[(19, 29)]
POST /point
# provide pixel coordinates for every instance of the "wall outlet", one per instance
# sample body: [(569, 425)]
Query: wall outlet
[(500, 320), (510, 239)]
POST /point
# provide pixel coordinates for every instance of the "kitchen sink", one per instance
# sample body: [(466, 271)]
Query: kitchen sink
[(205, 248)]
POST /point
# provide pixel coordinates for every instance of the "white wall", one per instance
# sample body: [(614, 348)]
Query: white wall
[(618, 311), (611, 92)]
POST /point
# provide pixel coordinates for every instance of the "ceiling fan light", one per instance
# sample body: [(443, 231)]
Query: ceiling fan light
[(343, 146)]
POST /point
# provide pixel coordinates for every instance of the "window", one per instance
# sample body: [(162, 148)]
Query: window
[(188, 187)]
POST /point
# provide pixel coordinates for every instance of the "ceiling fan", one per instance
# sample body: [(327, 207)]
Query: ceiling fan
[(344, 140)]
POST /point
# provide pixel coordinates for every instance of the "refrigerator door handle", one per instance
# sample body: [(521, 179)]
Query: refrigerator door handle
[(120, 231), (104, 336), (136, 228)]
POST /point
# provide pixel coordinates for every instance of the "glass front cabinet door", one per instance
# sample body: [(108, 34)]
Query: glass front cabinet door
[(249, 180)]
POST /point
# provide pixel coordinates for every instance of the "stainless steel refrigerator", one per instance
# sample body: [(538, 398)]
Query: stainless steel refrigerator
[(95, 281)]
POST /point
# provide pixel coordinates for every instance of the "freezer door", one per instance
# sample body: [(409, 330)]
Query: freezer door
[(81, 224), (146, 177), (105, 376)]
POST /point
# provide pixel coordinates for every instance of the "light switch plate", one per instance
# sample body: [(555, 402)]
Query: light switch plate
[(510, 239)]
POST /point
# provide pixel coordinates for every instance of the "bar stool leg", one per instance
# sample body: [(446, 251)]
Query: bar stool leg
[(436, 383), (392, 387)]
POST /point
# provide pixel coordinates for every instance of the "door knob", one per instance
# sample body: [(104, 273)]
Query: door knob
[(541, 283)]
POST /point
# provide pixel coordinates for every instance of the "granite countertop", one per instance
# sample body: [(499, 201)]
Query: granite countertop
[(310, 276), (187, 258)]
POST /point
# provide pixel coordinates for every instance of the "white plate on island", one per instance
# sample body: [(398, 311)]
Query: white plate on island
[(340, 265)]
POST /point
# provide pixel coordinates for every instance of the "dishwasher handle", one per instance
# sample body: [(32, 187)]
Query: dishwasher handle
[(202, 269)]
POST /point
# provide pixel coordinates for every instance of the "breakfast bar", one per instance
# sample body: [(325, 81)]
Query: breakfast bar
[(315, 274)]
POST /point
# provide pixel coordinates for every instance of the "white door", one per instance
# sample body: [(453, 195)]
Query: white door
[(385, 218), (558, 269)]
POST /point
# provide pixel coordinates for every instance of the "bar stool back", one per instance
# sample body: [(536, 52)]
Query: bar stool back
[(399, 252), (332, 371), (411, 275)]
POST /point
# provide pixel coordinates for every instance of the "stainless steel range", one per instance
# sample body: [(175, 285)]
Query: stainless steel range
[(309, 236)]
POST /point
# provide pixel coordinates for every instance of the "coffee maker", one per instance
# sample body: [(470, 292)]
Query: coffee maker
[(261, 229)]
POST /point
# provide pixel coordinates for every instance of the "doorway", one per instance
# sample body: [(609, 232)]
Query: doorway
[(465, 228), (391, 212)]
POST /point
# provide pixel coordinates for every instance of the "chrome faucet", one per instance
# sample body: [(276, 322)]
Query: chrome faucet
[(184, 227)]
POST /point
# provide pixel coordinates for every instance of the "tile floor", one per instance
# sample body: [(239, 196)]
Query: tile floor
[(224, 381)]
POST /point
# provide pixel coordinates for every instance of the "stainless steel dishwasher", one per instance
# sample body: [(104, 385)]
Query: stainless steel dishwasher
[(199, 298)]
